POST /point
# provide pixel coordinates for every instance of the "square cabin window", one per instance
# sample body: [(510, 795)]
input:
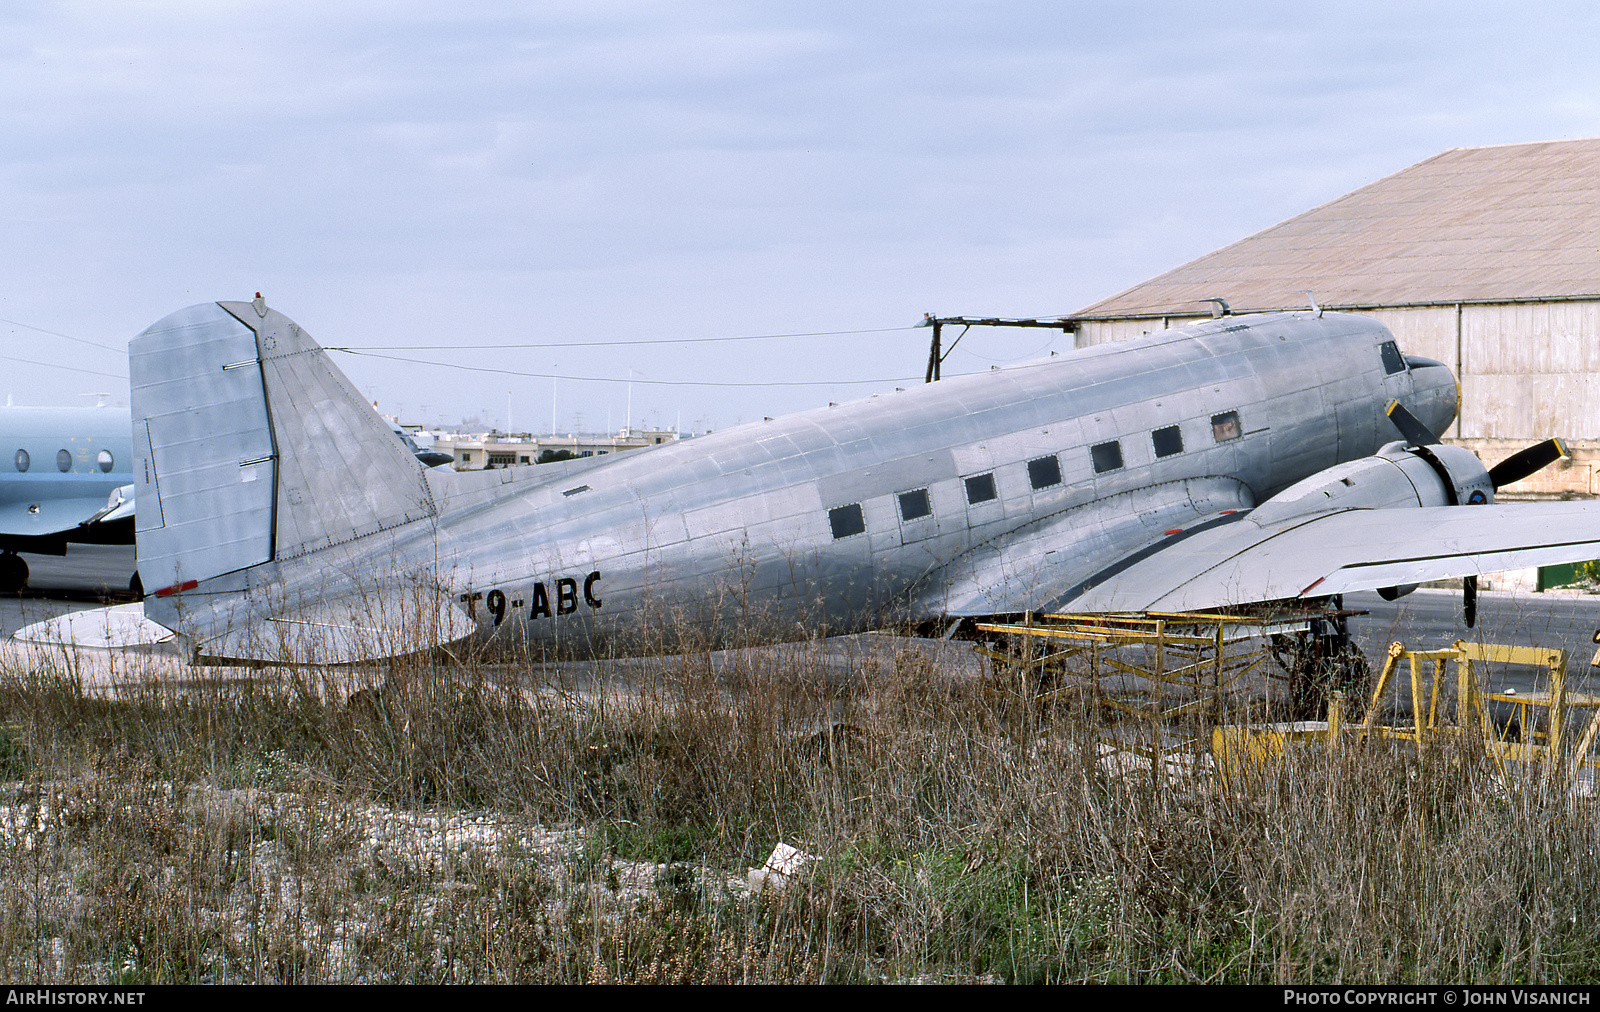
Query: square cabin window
[(980, 488), (1225, 426), (1167, 441), (846, 520), (915, 505), (1106, 456), (1044, 472)]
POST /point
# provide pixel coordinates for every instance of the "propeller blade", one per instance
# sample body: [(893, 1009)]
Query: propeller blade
[(1410, 427), (1524, 462), (1469, 600)]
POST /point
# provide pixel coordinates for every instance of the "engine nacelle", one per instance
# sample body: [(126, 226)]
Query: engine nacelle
[(1397, 476)]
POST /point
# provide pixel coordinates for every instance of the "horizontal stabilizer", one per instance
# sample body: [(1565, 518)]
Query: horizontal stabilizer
[(377, 623)]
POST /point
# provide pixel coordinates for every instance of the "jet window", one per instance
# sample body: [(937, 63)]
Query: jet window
[(915, 505), (1106, 456), (63, 461), (1044, 472), (1167, 441), (1393, 361), (1225, 426), (23, 460), (846, 520), (980, 488), (105, 461)]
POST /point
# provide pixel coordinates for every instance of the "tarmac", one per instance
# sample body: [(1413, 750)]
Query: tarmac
[(92, 577)]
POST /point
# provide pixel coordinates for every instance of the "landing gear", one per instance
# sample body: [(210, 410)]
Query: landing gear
[(1321, 661), (13, 573)]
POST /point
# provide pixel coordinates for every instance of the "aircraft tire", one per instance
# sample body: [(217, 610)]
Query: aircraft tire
[(13, 573), (1319, 666)]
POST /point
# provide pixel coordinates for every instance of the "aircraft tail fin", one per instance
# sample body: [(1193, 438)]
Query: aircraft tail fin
[(251, 448)]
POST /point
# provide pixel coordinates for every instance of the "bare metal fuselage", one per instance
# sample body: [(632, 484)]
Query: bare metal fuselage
[(282, 505), (728, 538)]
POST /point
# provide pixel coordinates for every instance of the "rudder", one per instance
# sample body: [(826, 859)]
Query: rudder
[(251, 447)]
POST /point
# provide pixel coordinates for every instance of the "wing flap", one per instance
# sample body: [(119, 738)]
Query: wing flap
[(1050, 557)]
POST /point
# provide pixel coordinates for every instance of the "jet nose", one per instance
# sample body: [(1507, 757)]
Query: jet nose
[(1435, 394)]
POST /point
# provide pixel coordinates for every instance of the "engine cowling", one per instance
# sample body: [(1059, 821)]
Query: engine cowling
[(1398, 475)]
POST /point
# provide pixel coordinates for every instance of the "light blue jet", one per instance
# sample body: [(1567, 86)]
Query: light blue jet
[(64, 478)]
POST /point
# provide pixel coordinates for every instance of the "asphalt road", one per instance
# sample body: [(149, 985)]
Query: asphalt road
[(88, 576), (1431, 620)]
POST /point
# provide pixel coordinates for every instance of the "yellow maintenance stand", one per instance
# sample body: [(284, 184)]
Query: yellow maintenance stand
[(1536, 734), (1163, 669)]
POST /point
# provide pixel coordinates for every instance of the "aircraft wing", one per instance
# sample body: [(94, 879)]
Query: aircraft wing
[(1228, 559), (47, 518)]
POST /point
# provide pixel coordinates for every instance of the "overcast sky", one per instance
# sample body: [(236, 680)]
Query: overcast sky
[(412, 174)]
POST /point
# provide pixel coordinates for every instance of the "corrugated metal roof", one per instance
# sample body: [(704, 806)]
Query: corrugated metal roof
[(1510, 222)]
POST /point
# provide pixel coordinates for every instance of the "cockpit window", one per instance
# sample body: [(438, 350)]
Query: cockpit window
[(1393, 361)]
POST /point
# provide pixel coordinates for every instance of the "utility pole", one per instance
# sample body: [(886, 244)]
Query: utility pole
[(937, 354)]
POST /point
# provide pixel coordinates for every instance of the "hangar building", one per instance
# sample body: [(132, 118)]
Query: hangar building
[(1486, 259)]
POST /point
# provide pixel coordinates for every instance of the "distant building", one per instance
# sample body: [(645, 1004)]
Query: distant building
[(1486, 259), (476, 451)]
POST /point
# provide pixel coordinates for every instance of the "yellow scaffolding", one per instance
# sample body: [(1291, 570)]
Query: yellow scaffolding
[(1188, 663), (1541, 716)]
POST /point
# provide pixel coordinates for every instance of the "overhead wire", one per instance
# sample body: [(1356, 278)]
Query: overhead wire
[(373, 350), (613, 379), (69, 368), (66, 337), (605, 344)]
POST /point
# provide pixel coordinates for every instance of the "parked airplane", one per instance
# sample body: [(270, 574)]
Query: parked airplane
[(1242, 459), (65, 479)]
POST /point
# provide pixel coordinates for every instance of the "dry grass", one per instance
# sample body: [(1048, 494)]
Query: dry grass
[(449, 823)]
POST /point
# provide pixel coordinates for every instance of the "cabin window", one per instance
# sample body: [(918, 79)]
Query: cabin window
[(1167, 441), (1044, 472), (466, 458), (1106, 456), (846, 520), (915, 505), (63, 461), (1225, 426), (1393, 361), (105, 461), (980, 488), (23, 460)]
